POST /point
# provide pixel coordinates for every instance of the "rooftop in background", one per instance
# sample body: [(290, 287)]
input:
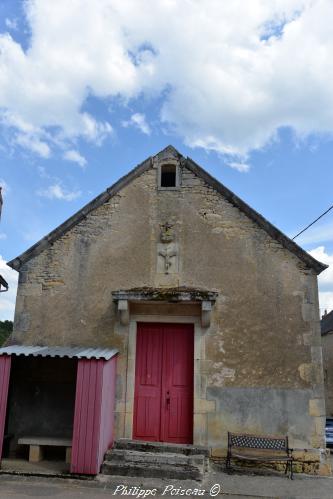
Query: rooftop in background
[(3, 284), (327, 323)]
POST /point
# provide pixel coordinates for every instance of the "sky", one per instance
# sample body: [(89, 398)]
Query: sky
[(90, 89)]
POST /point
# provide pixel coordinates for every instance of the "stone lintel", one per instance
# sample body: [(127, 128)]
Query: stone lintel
[(166, 295)]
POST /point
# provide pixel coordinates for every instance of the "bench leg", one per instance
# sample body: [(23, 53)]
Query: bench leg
[(228, 463), (68, 455), (35, 453)]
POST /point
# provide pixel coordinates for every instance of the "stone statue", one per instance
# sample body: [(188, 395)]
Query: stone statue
[(167, 251)]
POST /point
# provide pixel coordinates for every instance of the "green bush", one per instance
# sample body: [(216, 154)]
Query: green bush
[(6, 327)]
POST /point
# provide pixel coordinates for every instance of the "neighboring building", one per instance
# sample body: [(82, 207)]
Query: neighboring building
[(214, 313), (3, 282), (327, 343)]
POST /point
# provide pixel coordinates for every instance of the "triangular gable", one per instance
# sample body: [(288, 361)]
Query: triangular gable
[(80, 215), (275, 233)]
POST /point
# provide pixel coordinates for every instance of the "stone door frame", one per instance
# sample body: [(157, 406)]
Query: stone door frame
[(201, 406)]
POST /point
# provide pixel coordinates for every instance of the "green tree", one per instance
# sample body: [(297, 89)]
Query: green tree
[(6, 327)]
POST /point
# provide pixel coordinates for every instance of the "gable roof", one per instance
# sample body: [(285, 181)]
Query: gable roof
[(326, 323), (275, 233), (3, 283)]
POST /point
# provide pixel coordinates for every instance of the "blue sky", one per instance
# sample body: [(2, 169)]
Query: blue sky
[(90, 89)]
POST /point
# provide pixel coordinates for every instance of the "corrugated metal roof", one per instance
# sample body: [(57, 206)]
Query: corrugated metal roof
[(75, 352)]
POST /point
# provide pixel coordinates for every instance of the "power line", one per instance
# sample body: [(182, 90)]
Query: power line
[(306, 228)]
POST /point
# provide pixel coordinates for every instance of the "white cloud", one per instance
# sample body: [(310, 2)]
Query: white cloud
[(241, 167), (325, 279), (43, 173), (56, 191), (226, 81), (33, 144), (139, 121), (11, 23), (7, 300), (3, 236), (5, 186), (326, 301), (317, 234), (76, 157)]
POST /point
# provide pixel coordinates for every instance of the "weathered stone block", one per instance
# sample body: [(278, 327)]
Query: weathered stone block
[(304, 455), (317, 407), (309, 312), (203, 406), (318, 441), (317, 355), (325, 469)]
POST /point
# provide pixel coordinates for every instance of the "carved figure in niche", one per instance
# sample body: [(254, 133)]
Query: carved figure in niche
[(167, 251), (167, 254), (167, 234)]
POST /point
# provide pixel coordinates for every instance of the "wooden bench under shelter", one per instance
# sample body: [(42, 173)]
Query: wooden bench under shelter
[(259, 448), (36, 444)]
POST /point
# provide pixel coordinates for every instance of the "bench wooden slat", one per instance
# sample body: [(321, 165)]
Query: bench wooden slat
[(251, 457), (51, 441)]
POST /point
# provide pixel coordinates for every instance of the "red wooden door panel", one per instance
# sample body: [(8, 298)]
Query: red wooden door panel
[(177, 393), (148, 382), (163, 401)]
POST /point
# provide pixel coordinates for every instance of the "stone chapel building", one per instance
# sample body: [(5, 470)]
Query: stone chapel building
[(211, 312)]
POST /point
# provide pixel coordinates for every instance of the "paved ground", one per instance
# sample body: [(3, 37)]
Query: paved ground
[(236, 486)]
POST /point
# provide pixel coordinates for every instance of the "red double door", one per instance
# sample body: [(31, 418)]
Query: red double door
[(163, 400)]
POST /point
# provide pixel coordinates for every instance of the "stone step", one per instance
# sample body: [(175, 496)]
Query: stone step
[(161, 447), (185, 472), (155, 458)]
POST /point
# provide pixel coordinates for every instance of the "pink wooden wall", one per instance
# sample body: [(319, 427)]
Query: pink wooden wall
[(93, 415), (5, 362), (107, 410)]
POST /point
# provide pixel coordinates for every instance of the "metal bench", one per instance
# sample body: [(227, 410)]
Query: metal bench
[(259, 448), (36, 444)]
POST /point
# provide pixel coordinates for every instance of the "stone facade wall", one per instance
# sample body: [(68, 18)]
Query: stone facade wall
[(260, 367)]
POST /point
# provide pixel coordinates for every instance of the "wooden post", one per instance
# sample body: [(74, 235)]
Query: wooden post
[(35, 453)]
